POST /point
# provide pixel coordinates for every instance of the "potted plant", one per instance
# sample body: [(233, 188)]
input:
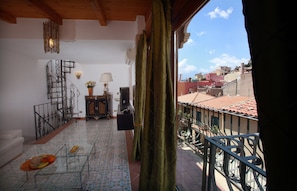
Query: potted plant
[(90, 85)]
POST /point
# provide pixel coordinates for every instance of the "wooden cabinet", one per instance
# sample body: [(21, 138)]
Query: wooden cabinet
[(98, 106)]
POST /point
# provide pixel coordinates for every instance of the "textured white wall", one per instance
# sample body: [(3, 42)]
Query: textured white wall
[(94, 48)]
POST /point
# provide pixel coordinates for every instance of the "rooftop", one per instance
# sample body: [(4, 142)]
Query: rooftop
[(231, 104)]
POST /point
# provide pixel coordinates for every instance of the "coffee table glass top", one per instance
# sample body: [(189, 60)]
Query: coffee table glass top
[(83, 148), (65, 164), (67, 161)]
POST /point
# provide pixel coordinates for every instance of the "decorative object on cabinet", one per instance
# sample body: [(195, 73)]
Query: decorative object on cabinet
[(90, 91), (51, 37), (90, 85), (106, 77), (98, 106)]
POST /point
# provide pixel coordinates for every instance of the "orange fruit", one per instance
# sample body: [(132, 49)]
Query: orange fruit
[(51, 158), (44, 159)]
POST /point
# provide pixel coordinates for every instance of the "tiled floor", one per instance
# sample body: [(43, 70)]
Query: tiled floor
[(189, 164), (189, 168), (107, 167), (134, 166)]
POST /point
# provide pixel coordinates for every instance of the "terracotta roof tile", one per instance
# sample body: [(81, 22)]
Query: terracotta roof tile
[(222, 101), (240, 105), (248, 107), (195, 97)]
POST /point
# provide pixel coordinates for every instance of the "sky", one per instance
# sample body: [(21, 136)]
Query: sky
[(217, 38)]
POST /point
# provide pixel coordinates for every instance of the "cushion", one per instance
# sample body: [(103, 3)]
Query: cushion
[(6, 145), (7, 136), (10, 134)]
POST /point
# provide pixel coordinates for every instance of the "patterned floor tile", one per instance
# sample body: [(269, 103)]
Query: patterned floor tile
[(108, 163)]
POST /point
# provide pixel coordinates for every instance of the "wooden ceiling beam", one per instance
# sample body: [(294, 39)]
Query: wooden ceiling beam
[(99, 11), (5, 16), (49, 12)]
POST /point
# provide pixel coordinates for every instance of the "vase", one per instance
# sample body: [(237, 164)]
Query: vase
[(90, 90)]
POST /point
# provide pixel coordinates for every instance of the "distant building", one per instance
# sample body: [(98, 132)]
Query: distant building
[(237, 114), (213, 77), (222, 70), (236, 82), (186, 87), (199, 77), (239, 82)]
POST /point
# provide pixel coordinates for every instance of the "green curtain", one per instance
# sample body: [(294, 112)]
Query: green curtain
[(140, 87), (158, 156)]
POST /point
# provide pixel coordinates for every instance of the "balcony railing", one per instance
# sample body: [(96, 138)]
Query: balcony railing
[(238, 159)]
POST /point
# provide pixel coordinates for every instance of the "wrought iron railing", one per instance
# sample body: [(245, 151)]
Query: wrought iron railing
[(63, 99), (238, 158), (47, 119)]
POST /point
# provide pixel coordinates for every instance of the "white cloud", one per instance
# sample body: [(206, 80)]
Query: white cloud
[(211, 51), (204, 71), (217, 12), (190, 41), (223, 60), (200, 33), (184, 68), (227, 60)]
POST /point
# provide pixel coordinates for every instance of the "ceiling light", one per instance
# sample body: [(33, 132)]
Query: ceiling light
[(51, 37)]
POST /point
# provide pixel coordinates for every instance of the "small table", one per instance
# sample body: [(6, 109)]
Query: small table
[(84, 148), (64, 165), (69, 163)]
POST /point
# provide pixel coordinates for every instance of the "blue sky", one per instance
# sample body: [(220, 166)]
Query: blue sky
[(217, 38)]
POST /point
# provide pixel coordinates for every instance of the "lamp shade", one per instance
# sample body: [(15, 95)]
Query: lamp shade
[(106, 77)]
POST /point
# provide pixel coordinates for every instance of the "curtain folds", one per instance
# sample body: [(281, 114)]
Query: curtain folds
[(140, 65), (158, 154), (272, 42)]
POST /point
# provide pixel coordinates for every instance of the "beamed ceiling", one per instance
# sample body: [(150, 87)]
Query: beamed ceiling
[(101, 10), (92, 49)]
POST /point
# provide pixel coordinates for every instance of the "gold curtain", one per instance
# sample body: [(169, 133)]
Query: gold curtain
[(140, 87), (158, 156)]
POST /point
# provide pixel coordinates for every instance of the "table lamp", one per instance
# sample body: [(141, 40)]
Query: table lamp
[(106, 77)]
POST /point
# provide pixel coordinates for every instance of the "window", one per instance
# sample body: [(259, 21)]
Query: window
[(198, 117), (214, 121)]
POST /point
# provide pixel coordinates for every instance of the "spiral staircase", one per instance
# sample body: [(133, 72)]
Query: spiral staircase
[(63, 99)]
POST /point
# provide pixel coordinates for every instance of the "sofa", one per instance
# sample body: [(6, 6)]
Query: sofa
[(11, 145)]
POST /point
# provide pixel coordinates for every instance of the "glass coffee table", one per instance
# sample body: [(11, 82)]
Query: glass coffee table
[(66, 166)]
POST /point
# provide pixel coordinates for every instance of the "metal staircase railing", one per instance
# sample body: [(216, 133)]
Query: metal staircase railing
[(63, 99), (46, 118), (57, 86)]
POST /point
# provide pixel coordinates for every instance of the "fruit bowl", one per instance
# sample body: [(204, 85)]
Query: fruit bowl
[(38, 162)]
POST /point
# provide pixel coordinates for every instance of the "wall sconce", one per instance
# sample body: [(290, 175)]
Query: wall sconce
[(106, 77), (51, 37), (78, 74)]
